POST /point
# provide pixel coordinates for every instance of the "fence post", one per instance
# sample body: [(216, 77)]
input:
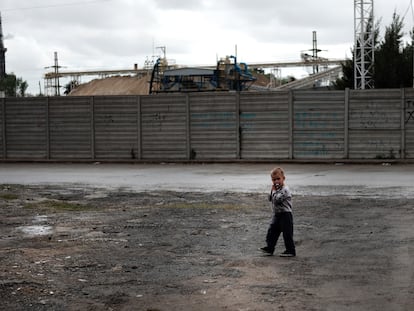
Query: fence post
[(92, 127), (402, 153), (139, 128), (291, 123), (188, 126), (47, 129), (4, 128), (346, 124), (238, 129)]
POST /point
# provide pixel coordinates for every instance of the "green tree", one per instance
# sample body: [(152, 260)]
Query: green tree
[(393, 67), (389, 58), (408, 55), (21, 87), (8, 85), (12, 86), (347, 79)]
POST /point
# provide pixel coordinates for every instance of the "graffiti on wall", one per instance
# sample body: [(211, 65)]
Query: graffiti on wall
[(409, 108), (372, 119)]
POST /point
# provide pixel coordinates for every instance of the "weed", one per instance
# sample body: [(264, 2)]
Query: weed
[(205, 206), (8, 196), (59, 206)]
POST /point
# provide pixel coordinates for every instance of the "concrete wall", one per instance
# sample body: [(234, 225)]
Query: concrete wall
[(303, 125)]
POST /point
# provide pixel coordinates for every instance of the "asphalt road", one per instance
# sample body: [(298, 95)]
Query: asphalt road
[(374, 180)]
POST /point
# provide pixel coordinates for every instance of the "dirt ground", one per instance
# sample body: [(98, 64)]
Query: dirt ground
[(77, 248)]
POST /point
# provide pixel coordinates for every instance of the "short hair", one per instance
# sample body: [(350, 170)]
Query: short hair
[(277, 170)]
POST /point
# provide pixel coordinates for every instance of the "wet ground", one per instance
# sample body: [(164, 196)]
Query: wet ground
[(369, 179), (185, 237)]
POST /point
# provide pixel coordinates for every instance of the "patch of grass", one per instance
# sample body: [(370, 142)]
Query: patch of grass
[(59, 206), (8, 196), (205, 206)]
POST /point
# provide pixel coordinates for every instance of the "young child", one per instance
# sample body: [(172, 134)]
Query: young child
[(282, 220)]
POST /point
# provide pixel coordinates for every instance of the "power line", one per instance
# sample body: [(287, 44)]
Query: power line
[(55, 5), (410, 6), (412, 9)]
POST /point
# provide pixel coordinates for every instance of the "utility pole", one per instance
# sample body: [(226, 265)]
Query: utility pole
[(364, 44), (315, 51), (2, 54), (56, 84)]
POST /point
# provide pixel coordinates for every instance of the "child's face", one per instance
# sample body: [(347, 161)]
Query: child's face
[(278, 178)]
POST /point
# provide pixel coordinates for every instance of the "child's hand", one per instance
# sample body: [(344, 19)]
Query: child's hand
[(275, 186)]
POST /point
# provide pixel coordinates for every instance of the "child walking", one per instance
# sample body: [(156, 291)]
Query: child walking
[(282, 221)]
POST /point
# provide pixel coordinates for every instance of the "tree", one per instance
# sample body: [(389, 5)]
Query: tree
[(348, 67), (347, 79), (389, 59), (21, 87), (407, 56), (8, 85), (12, 86), (393, 62)]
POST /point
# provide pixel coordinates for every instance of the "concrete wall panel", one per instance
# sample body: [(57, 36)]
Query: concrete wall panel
[(304, 125), (375, 124), (70, 127), (26, 133), (213, 126), (264, 125), (116, 127), (163, 126), (318, 124)]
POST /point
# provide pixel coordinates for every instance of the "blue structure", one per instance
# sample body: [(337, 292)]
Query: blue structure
[(228, 76)]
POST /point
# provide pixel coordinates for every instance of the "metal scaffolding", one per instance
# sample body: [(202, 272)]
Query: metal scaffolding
[(364, 44), (52, 86)]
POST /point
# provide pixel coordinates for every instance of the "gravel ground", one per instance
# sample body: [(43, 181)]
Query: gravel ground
[(83, 248)]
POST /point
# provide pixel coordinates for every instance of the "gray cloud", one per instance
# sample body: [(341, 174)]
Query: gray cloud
[(110, 33)]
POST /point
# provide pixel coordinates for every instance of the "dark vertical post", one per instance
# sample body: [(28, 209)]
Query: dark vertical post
[(188, 126), (139, 128), (291, 123), (346, 124), (92, 127), (2, 54), (402, 152), (47, 129), (238, 128), (4, 128)]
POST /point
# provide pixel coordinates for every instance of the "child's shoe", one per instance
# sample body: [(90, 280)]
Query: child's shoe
[(287, 254), (267, 251)]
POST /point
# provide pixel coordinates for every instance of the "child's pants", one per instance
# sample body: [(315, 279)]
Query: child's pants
[(281, 222)]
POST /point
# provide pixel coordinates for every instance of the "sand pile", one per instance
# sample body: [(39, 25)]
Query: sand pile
[(127, 85), (261, 80), (116, 85)]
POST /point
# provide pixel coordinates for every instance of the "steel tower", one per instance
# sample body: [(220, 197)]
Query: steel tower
[(364, 44), (2, 54)]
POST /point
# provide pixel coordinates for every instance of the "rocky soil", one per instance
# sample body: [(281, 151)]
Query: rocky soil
[(77, 248)]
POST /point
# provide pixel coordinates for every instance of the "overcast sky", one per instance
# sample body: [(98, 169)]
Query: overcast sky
[(114, 34)]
